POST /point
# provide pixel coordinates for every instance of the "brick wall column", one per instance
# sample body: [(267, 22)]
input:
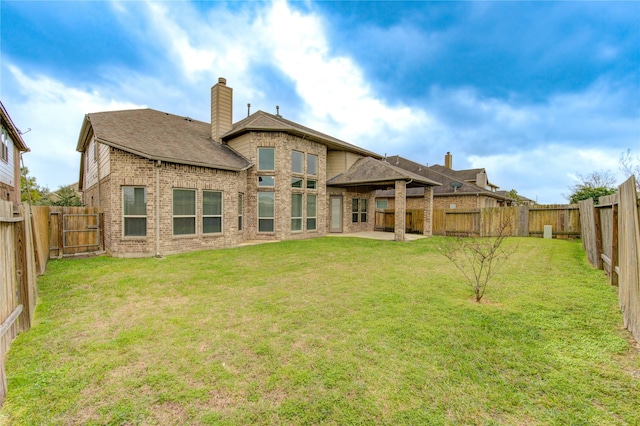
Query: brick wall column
[(400, 209), (428, 211)]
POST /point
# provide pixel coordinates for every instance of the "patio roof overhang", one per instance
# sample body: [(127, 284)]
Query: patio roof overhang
[(369, 174)]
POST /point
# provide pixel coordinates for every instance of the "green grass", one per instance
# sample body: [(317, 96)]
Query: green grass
[(324, 331)]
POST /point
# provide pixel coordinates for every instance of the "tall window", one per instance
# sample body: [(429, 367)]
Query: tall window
[(266, 211), (312, 164), (312, 212), (354, 209), (266, 159), (134, 209), (211, 212), (358, 210), (296, 212), (240, 209), (184, 211), (363, 210), (4, 149), (297, 162)]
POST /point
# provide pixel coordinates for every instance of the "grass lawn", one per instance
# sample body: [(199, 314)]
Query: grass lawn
[(325, 331)]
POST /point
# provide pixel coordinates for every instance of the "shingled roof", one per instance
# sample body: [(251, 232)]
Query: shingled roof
[(368, 171), (157, 135), (10, 127), (449, 184), (265, 122), (467, 175)]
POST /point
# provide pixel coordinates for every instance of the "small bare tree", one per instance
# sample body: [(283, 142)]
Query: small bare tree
[(479, 258)]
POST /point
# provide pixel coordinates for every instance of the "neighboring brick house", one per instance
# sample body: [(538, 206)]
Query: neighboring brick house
[(171, 184), (462, 189), (11, 148)]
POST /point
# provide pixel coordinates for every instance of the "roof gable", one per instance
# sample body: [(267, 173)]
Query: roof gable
[(265, 122), (370, 171)]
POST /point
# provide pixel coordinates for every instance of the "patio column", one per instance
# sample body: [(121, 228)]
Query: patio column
[(400, 210), (428, 211)]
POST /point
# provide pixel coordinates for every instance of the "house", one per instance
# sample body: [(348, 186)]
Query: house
[(10, 151), (170, 184), (458, 188)]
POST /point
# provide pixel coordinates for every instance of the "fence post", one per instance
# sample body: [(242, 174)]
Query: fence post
[(523, 221), (22, 274), (614, 245)]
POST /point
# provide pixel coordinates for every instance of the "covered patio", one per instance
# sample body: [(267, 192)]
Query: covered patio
[(369, 174)]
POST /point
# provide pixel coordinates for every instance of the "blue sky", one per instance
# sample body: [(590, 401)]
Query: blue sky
[(535, 92)]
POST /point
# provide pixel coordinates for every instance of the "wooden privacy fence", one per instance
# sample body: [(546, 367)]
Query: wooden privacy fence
[(524, 221), (18, 271), (414, 221), (611, 238), (69, 230)]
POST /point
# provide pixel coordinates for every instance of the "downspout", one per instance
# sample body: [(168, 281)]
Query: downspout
[(158, 165), (97, 148)]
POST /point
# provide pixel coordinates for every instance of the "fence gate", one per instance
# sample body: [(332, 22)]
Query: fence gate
[(74, 230)]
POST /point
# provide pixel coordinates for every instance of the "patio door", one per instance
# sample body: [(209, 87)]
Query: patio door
[(336, 214)]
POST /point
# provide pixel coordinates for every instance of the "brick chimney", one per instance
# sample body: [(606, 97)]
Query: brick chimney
[(448, 160), (221, 109)]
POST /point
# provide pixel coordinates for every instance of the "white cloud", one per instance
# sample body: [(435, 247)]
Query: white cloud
[(54, 112)]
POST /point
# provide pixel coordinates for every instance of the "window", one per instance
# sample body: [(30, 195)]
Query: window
[(211, 212), (358, 210), (266, 209), (4, 149), (354, 210), (134, 209), (312, 184), (311, 212), (363, 210), (240, 209), (184, 211), (382, 204), (266, 158), (296, 212), (297, 162), (312, 164), (296, 182), (268, 181)]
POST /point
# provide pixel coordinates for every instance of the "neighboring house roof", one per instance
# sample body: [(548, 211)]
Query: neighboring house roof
[(158, 135), (368, 171), (449, 185), (265, 122), (12, 129), (467, 175), (520, 197)]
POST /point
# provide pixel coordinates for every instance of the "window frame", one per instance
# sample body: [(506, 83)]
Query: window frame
[(4, 150), (301, 156), (308, 164), (314, 217), (266, 149), (175, 216), (271, 218), (133, 216), (205, 216), (297, 219), (240, 210)]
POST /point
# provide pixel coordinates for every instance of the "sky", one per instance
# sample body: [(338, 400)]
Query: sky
[(537, 93)]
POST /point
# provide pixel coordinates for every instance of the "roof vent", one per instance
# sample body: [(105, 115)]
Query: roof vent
[(222, 81), (278, 111)]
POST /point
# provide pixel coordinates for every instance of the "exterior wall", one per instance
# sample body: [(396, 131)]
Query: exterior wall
[(413, 203), (348, 225), (460, 201), (242, 145), (159, 182), (96, 158), (339, 162), (10, 174), (284, 144)]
